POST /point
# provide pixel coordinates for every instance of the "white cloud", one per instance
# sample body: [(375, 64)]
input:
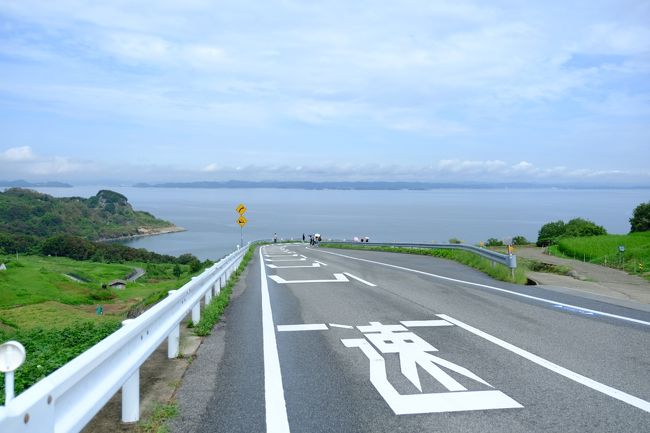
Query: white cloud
[(17, 154)]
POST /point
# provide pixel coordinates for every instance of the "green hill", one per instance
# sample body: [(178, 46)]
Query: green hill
[(106, 215)]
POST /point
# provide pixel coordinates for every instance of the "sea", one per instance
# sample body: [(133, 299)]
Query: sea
[(470, 215)]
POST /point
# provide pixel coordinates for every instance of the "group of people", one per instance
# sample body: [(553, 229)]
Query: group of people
[(314, 239)]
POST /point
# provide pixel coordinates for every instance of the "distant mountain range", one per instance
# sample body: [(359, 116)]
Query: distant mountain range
[(25, 184), (416, 186)]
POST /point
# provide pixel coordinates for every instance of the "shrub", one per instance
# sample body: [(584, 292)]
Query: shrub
[(520, 240), (640, 221), (551, 233), (494, 242)]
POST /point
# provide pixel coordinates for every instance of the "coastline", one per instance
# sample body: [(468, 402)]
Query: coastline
[(146, 232)]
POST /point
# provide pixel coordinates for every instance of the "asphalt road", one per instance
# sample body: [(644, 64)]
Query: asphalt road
[(323, 340)]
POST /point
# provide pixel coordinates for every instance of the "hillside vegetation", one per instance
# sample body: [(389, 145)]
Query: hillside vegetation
[(604, 250), (104, 216)]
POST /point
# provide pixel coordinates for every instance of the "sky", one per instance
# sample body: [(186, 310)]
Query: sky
[(410, 90)]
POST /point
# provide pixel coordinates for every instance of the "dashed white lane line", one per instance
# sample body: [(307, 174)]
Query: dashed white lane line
[(276, 408), (335, 325), (485, 286), (305, 327), (360, 280), (339, 278), (424, 323), (597, 386)]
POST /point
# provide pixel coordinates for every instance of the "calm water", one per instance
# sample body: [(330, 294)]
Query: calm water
[(419, 216)]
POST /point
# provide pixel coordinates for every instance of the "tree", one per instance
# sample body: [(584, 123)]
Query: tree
[(550, 232), (519, 240), (177, 271), (640, 221), (494, 242), (579, 227)]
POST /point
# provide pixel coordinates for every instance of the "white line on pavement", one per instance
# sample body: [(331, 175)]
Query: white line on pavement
[(313, 265), (339, 278), (334, 325), (360, 280), (608, 390), (276, 409), (424, 323), (485, 286), (305, 327)]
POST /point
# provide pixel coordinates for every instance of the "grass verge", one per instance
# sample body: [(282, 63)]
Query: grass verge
[(497, 272), (212, 313), (157, 421)]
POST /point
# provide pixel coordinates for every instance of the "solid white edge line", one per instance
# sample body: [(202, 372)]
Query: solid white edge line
[(360, 280), (485, 286), (597, 386), (276, 409), (303, 327)]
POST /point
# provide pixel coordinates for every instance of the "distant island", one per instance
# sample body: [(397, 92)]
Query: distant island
[(107, 215), (24, 184), (370, 185)]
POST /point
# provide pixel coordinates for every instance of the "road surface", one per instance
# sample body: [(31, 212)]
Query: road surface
[(326, 340)]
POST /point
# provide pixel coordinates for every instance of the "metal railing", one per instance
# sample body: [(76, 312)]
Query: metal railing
[(66, 400), (509, 260)]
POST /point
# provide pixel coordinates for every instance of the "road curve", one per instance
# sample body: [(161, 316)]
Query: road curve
[(320, 340)]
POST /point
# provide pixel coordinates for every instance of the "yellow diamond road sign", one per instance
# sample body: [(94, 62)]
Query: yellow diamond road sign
[(241, 209), (242, 221)]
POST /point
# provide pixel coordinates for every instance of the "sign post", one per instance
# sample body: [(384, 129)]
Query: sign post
[(241, 221)]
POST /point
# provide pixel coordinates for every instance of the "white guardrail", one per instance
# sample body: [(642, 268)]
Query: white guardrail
[(66, 400)]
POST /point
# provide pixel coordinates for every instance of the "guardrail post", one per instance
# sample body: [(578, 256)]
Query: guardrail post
[(173, 342), (208, 296), (131, 398), (196, 313)]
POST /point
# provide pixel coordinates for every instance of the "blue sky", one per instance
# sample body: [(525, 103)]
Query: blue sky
[(165, 90)]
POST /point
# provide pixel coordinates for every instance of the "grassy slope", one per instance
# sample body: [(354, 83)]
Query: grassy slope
[(604, 250), (34, 292)]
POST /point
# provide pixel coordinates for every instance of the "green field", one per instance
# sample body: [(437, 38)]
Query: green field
[(604, 250), (35, 291), (55, 317)]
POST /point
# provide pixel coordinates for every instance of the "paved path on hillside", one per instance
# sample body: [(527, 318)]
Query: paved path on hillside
[(325, 340), (591, 278)]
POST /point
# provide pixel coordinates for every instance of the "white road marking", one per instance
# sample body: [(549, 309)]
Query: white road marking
[(324, 264), (426, 403), (485, 286), (286, 260), (339, 278), (360, 280), (276, 409), (313, 265), (305, 327), (334, 325), (424, 323), (597, 386), (270, 256)]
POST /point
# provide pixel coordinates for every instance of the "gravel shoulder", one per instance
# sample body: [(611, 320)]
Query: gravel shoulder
[(588, 277)]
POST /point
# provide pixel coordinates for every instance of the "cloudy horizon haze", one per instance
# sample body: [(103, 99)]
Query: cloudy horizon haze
[(542, 92)]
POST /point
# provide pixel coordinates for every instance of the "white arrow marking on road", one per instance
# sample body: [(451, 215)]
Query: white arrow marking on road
[(313, 265), (360, 280), (608, 390), (305, 327), (340, 278), (286, 260)]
